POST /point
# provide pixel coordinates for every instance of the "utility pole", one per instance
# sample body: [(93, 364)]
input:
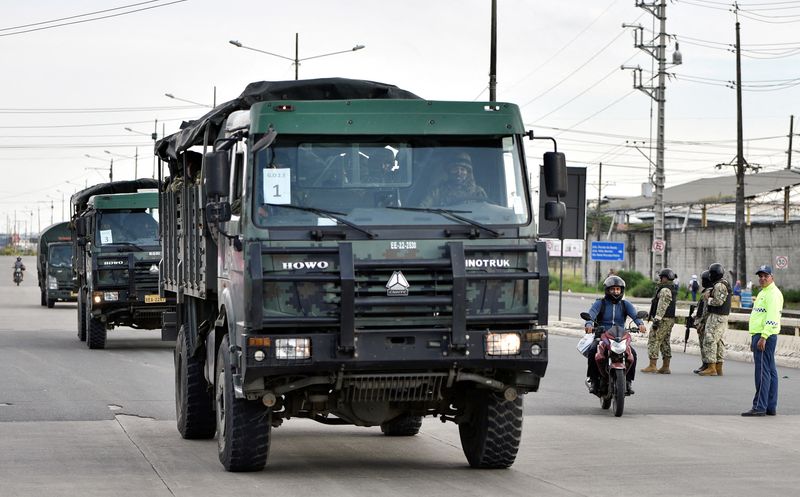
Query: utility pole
[(597, 224), (493, 56), (788, 167), (656, 48)]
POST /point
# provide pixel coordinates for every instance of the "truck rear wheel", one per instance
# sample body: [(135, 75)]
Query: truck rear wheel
[(404, 425), (81, 318), (95, 331), (491, 436), (194, 403), (243, 426)]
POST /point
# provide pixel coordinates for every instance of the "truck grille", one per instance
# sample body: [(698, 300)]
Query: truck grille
[(393, 388)]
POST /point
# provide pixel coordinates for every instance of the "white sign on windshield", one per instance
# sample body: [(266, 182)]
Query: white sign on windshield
[(105, 236), (277, 186)]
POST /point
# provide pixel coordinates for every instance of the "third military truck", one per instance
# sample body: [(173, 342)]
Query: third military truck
[(54, 265), (116, 257), (347, 252)]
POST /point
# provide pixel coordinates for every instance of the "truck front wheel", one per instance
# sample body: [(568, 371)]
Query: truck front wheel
[(243, 426), (491, 436), (95, 331), (81, 318), (194, 404)]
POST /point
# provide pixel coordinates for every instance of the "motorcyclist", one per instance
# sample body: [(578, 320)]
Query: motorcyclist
[(19, 266), (615, 310)]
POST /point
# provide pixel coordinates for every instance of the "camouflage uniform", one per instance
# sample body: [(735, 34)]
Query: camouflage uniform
[(658, 339), (451, 192), (715, 324), (700, 321)]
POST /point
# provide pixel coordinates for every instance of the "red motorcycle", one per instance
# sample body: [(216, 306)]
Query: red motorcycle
[(614, 357)]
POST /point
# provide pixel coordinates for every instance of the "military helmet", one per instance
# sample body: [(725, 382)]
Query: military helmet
[(716, 272), (667, 273), (705, 279), (613, 281)]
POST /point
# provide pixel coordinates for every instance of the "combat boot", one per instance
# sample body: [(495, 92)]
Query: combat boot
[(701, 368), (664, 369), (651, 368), (719, 369), (711, 370)]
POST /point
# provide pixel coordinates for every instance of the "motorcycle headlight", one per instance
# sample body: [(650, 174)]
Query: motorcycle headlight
[(52, 283), (618, 347)]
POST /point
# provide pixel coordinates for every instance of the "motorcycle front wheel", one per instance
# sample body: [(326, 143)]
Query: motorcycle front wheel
[(618, 396)]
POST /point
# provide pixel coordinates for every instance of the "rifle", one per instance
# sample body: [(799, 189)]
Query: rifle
[(689, 325)]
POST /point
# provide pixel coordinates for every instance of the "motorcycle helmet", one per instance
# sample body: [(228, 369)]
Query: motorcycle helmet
[(705, 279), (19, 259), (715, 272), (613, 281), (667, 273)]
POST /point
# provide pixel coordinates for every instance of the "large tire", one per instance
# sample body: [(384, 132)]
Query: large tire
[(81, 318), (51, 303), (243, 426), (44, 298), (95, 331), (619, 393), (194, 401), (491, 436), (404, 425)]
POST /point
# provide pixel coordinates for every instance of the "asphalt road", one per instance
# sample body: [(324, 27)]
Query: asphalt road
[(75, 421)]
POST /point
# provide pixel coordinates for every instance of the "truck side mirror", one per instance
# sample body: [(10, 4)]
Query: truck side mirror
[(217, 174), (555, 174), (554, 211), (218, 212)]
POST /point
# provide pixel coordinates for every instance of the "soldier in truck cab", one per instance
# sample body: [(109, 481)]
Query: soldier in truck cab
[(459, 185)]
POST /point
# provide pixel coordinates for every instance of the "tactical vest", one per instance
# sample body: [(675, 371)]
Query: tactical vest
[(725, 308), (670, 313)]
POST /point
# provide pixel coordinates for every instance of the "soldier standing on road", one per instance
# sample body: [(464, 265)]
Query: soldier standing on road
[(662, 311), (718, 307), (700, 318), (765, 326)]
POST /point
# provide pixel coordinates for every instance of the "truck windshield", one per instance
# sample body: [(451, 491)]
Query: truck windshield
[(135, 227), (365, 180), (60, 256)]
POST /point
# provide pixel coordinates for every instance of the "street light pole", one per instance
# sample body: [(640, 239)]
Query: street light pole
[(296, 60)]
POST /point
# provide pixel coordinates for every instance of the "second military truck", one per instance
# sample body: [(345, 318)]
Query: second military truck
[(348, 252), (54, 265), (116, 256)]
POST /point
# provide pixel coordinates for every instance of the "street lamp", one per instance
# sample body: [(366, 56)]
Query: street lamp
[(154, 136), (170, 95), (110, 166), (135, 159), (296, 60)]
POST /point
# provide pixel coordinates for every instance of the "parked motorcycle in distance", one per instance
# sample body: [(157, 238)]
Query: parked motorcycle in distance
[(17, 276), (614, 357)]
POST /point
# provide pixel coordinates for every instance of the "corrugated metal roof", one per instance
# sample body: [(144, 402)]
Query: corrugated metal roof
[(716, 190)]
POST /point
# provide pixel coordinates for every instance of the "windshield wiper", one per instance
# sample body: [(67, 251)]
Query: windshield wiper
[(450, 214), (128, 244), (336, 216)]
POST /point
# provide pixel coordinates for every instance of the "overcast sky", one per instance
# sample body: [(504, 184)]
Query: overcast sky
[(70, 91)]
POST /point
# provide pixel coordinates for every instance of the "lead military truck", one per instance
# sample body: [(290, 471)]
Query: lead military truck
[(116, 257), (313, 282)]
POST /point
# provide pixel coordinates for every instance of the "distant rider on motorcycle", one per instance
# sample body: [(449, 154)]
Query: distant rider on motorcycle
[(615, 310), (18, 264)]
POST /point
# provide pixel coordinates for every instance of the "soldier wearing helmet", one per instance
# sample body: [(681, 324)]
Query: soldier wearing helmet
[(608, 311), (701, 316), (718, 307), (662, 311)]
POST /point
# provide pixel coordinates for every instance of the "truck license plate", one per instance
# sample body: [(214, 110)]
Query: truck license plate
[(154, 299)]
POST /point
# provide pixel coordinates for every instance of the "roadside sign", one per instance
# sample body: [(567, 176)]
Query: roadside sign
[(607, 251), (781, 261), (659, 246)]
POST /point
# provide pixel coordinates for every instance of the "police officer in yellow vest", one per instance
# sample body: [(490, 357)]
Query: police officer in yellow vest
[(765, 326), (662, 312)]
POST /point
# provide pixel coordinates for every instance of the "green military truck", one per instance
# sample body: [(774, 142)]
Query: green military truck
[(116, 257), (54, 265), (347, 252)]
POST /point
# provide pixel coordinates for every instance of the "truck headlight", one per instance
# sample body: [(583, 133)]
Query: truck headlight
[(52, 283), (111, 296), (502, 343), (292, 348)]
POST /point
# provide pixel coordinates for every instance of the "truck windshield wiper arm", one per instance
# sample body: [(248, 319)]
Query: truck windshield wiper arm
[(336, 216), (129, 244), (450, 214)]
